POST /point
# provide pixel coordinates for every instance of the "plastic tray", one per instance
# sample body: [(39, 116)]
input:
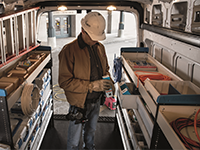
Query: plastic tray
[(157, 88)]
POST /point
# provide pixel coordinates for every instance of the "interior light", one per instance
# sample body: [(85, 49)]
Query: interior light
[(111, 8), (62, 8)]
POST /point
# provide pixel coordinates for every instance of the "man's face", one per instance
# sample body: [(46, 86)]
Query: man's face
[(87, 38)]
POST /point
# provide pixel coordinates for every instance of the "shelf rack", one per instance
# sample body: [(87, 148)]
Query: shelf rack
[(166, 108), (18, 32), (18, 41)]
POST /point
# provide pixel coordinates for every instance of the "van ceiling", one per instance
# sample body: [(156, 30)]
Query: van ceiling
[(84, 2), (135, 4), (28, 3)]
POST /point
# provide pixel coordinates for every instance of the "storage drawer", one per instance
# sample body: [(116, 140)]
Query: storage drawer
[(169, 113), (160, 68), (127, 100), (157, 88), (138, 123)]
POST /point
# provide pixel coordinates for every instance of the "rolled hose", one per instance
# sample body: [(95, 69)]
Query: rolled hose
[(30, 98)]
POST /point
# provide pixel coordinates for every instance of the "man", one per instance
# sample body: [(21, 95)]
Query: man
[(82, 63)]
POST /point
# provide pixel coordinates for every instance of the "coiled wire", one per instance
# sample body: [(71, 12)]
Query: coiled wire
[(181, 123), (30, 98)]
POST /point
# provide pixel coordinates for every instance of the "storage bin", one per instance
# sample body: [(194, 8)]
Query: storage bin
[(13, 80), (139, 118), (157, 88), (7, 86), (170, 113), (127, 99)]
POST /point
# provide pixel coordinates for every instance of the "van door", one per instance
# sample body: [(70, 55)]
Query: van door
[(62, 26)]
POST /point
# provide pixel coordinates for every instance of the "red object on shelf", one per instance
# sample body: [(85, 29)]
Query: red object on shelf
[(111, 103)]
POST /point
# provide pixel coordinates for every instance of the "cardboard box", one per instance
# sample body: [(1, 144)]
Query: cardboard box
[(9, 87), (13, 80)]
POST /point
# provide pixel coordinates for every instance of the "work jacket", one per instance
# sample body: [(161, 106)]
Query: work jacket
[(74, 71)]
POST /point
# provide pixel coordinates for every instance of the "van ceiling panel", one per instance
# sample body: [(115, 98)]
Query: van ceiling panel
[(83, 2), (135, 5)]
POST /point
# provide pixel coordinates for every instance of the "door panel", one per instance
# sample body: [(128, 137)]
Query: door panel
[(164, 56), (62, 26), (183, 67), (57, 26)]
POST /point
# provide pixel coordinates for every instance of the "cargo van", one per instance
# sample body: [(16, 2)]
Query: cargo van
[(154, 61)]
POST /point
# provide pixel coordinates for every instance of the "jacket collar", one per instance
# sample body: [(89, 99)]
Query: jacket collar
[(81, 43)]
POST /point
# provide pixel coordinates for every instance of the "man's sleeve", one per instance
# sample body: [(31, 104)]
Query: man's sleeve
[(66, 78)]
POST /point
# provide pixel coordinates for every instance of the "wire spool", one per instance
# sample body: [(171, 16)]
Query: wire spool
[(58, 92), (30, 98)]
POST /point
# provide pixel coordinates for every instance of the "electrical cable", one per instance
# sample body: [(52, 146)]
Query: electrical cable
[(30, 98), (195, 125), (181, 123), (151, 76), (58, 91)]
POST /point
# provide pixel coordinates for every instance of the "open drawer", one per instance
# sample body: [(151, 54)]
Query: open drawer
[(159, 67), (133, 103), (127, 94), (170, 113), (157, 88), (129, 53)]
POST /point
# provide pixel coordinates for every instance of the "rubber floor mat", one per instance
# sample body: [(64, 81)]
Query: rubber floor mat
[(106, 119), (100, 119), (59, 117)]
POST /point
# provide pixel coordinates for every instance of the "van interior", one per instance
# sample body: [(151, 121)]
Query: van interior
[(155, 45)]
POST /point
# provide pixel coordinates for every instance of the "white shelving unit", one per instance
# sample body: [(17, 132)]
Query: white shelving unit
[(17, 42), (163, 114)]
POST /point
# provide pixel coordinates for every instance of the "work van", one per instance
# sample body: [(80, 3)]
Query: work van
[(157, 83)]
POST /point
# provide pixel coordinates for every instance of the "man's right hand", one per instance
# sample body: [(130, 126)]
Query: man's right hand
[(100, 85)]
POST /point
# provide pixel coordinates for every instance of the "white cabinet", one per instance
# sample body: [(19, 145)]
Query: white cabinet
[(159, 109)]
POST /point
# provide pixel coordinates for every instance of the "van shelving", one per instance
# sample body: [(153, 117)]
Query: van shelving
[(169, 28), (16, 47), (166, 104)]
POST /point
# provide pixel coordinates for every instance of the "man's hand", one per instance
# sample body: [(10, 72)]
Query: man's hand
[(100, 85), (77, 114)]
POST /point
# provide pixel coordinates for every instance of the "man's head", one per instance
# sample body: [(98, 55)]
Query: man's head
[(93, 25)]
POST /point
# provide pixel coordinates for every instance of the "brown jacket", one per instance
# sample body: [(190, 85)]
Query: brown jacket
[(74, 71)]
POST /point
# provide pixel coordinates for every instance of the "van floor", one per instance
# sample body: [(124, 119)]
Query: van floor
[(107, 136)]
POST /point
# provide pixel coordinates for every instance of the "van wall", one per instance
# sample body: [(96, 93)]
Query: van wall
[(168, 25)]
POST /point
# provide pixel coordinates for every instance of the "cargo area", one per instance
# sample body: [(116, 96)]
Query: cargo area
[(152, 47), (107, 128)]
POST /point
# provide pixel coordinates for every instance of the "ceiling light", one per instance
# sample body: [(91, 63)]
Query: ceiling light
[(62, 8), (111, 8)]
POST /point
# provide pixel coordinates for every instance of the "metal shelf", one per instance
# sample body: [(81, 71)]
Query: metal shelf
[(162, 121), (17, 93), (35, 145), (122, 129), (15, 138)]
